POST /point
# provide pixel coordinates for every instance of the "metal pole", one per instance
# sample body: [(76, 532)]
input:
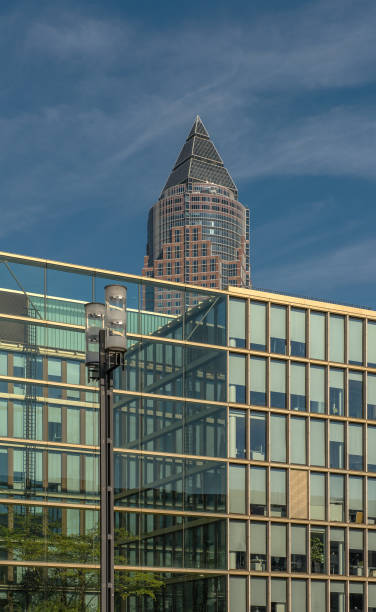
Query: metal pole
[(106, 479)]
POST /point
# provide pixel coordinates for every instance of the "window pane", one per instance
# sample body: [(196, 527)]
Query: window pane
[(336, 443), (258, 326), (298, 596), (258, 436), (258, 490), (371, 344), (318, 444), (356, 341), (237, 434), (336, 391), (297, 386), (73, 425), (337, 338), (355, 499), (277, 384), (372, 501), (371, 448), (318, 598), (238, 594), (258, 595), (258, 381), (237, 378), (317, 389), (318, 550), (278, 329), (318, 496), (237, 323), (337, 551), (258, 547), (317, 335), (355, 394), (356, 555), (237, 488), (372, 557), (298, 548), (372, 596), (237, 544), (337, 499), (297, 440), (297, 332), (277, 492), (277, 438), (371, 396), (278, 548), (337, 596), (355, 446)]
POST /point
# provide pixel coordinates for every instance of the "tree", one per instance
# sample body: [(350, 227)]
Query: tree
[(63, 589)]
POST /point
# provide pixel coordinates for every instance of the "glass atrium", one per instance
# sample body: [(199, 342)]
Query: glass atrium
[(245, 449)]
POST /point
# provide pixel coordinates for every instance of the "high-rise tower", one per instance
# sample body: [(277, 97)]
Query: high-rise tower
[(198, 231)]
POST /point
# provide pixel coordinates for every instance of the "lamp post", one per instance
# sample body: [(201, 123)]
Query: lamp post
[(105, 349)]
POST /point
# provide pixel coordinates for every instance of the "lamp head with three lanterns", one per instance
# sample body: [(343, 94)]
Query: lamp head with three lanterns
[(110, 317)]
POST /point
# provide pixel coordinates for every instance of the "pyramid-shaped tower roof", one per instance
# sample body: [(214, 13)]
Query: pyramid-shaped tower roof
[(199, 161)]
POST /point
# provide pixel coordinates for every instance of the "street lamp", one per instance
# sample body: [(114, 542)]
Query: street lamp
[(105, 348)]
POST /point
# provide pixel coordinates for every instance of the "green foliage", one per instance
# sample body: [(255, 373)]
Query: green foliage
[(63, 589)]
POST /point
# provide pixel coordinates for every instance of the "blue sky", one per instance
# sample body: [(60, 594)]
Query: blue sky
[(97, 99)]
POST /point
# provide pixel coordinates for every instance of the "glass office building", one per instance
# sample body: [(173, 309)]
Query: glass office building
[(245, 449)]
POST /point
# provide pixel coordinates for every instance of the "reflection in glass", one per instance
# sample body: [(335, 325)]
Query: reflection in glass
[(297, 332), (258, 436), (258, 547), (277, 384), (371, 597), (297, 386), (355, 394), (258, 326), (336, 392), (278, 329), (237, 442), (258, 381), (337, 551), (278, 552)]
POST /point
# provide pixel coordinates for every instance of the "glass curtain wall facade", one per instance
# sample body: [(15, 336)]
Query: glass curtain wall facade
[(245, 461)]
